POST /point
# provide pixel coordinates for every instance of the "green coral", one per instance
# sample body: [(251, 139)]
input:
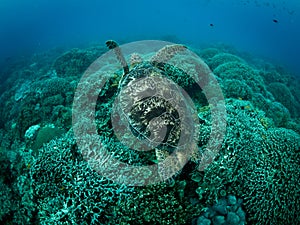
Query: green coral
[(263, 171), (69, 191), (272, 179), (258, 161), (51, 87), (243, 72), (17, 206), (272, 76), (236, 89), (76, 61), (283, 95), (221, 69), (274, 110), (241, 81), (243, 122), (222, 58), (43, 98), (75, 193), (6, 199), (44, 135), (279, 114), (161, 204), (208, 53)]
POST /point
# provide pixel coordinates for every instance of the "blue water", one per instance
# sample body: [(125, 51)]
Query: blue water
[(37, 25)]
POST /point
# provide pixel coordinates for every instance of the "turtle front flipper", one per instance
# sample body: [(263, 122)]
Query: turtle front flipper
[(115, 47), (165, 54)]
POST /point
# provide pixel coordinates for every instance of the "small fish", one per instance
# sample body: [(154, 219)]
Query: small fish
[(211, 24), (275, 21)]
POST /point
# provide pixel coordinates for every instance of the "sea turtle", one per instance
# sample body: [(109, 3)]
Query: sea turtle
[(157, 64), (155, 109)]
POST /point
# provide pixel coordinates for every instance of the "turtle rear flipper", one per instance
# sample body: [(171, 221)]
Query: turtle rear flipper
[(115, 47), (165, 54)]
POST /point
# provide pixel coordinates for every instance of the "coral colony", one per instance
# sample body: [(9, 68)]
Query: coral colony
[(254, 178)]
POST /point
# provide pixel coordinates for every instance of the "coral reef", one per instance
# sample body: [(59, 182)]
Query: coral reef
[(6, 200), (254, 179), (263, 172), (283, 95), (42, 98), (76, 61), (272, 177), (77, 194), (226, 211), (222, 58)]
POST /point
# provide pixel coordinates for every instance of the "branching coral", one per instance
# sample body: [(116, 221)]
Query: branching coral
[(272, 179), (69, 191), (264, 172)]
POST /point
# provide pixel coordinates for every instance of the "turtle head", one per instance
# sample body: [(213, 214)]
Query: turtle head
[(111, 44)]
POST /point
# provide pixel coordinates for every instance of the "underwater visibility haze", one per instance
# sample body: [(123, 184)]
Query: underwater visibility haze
[(32, 26), (150, 112)]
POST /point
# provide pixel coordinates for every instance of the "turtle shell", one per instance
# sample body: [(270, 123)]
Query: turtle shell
[(141, 70), (152, 105)]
